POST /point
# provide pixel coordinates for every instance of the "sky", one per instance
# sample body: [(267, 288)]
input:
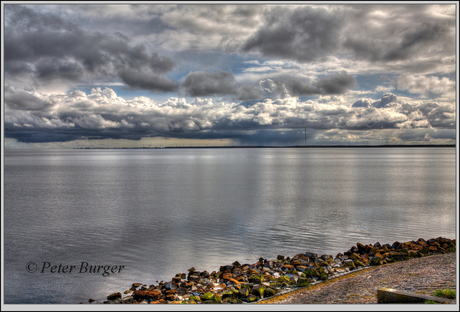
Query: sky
[(147, 75)]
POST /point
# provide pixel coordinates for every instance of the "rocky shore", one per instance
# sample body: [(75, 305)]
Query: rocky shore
[(249, 283)]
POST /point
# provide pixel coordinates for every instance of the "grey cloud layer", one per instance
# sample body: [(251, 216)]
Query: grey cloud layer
[(102, 114), (205, 84), (183, 49), (47, 48), (224, 83), (301, 34)]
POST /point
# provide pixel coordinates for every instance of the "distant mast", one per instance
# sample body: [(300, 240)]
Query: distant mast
[(305, 136)]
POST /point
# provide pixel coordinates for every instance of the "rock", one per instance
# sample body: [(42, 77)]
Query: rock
[(301, 268), (287, 267), (170, 286), (355, 256), (256, 279), (266, 277), (193, 278), (376, 260), (396, 245), (217, 298), (399, 256), (227, 276), (176, 279), (236, 264), (227, 293), (405, 251), (225, 268), (114, 296), (349, 263), (91, 300), (244, 292), (234, 281), (170, 297), (303, 282), (269, 292), (195, 298), (262, 291), (233, 300), (313, 272), (204, 274), (252, 298), (206, 296)]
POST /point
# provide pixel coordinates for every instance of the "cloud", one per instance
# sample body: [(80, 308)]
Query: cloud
[(302, 34), (21, 100), (382, 34), (362, 103), (274, 57), (249, 92), (285, 87), (44, 48), (147, 81), (103, 114), (335, 84), (206, 83), (385, 99), (420, 84)]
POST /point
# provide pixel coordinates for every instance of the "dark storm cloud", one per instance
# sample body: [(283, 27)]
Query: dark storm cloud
[(147, 81), (49, 48), (303, 34), (18, 16), (49, 69), (22, 100), (336, 84), (404, 44), (248, 92), (206, 83)]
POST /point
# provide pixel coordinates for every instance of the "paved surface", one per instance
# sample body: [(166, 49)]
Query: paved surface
[(423, 275)]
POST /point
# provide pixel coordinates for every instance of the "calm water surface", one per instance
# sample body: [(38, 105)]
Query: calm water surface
[(160, 212)]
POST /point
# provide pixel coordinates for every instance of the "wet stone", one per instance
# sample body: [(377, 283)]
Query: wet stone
[(251, 282)]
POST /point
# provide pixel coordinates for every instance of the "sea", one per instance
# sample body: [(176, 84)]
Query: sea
[(81, 224)]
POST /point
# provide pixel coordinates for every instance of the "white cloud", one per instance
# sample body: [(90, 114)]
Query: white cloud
[(383, 89), (421, 84)]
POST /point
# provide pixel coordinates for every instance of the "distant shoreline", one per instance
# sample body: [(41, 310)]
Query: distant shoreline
[(293, 146)]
